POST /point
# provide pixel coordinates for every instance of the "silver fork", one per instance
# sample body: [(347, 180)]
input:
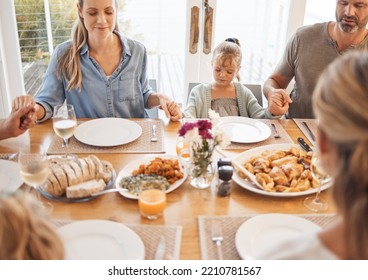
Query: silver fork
[(217, 237), (154, 138), (276, 135)]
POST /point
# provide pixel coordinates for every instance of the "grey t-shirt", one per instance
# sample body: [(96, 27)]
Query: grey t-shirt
[(307, 54)]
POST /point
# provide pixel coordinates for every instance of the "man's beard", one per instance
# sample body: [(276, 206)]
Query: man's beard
[(347, 28)]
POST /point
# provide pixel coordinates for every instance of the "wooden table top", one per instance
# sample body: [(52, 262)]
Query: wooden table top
[(185, 204)]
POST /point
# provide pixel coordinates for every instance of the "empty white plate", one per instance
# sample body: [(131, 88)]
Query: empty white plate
[(101, 240), (264, 231), (10, 178), (107, 132), (245, 130)]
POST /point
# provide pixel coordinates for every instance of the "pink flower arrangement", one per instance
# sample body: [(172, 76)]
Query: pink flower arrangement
[(203, 137)]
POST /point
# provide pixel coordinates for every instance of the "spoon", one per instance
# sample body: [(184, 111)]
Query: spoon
[(154, 138), (109, 191)]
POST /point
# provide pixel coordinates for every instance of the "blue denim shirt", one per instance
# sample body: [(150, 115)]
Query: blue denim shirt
[(124, 94)]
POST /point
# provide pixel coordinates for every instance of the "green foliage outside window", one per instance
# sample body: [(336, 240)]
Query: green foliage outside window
[(31, 23)]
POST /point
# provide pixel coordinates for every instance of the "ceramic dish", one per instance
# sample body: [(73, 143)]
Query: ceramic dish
[(261, 232), (245, 130), (127, 171), (107, 132), (101, 240)]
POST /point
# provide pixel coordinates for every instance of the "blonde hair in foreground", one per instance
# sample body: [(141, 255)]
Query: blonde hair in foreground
[(25, 231), (340, 102)]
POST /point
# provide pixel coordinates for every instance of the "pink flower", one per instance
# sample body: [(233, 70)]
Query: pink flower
[(204, 128)]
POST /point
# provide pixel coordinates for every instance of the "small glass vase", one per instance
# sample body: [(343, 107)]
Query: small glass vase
[(200, 169)]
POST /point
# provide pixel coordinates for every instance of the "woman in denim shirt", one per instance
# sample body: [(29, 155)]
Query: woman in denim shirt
[(100, 71)]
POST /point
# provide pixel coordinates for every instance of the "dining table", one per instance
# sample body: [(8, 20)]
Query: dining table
[(186, 205)]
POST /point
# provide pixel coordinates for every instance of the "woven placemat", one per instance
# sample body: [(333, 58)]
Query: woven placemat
[(150, 235), (312, 124), (140, 145), (6, 156), (230, 226), (284, 139)]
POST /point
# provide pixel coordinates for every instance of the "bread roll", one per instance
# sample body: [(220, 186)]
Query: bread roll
[(85, 169), (91, 167), (60, 175), (85, 189), (77, 170), (98, 166), (83, 176)]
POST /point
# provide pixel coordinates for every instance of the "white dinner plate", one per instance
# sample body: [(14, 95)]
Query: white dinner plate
[(108, 132), (245, 130), (127, 171), (244, 156), (261, 232), (101, 240), (10, 179)]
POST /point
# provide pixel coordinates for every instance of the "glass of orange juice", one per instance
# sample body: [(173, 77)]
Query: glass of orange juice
[(183, 152), (152, 203)]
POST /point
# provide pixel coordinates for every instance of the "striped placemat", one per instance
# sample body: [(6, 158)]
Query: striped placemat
[(230, 226), (312, 124), (284, 139), (140, 145), (150, 235)]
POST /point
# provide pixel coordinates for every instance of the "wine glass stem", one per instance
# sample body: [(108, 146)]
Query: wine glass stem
[(66, 147), (318, 191)]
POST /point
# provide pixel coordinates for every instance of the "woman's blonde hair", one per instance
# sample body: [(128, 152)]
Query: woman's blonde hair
[(25, 231), (340, 102), (228, 51), (69, 63)]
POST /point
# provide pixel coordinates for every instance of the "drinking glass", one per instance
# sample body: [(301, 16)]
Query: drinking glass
[(34, 168), (152, 203), (315, 203), (183, 153), (64, 123)]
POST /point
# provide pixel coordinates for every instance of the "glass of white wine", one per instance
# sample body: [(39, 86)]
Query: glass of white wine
[(34, 168), (64, 123), (315, 203)]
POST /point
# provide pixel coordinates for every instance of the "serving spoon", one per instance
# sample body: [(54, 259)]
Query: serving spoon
[(109, 191)]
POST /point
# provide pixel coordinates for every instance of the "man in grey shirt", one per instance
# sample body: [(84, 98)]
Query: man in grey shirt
[(311, 49)]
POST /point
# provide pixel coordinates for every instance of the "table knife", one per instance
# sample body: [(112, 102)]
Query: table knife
[(304, 145), (160, 250), (309, 131)]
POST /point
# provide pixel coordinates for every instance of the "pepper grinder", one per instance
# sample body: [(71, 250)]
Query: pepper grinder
[(221, 162), (225, 173)]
